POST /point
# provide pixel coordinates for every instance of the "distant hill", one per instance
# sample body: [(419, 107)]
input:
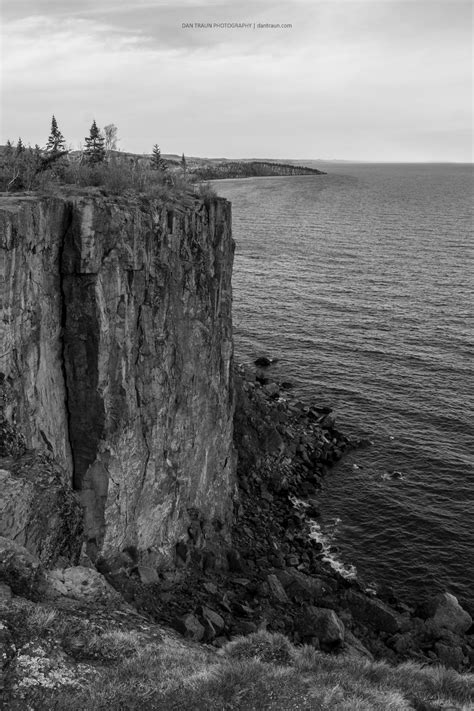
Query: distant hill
[(214, 168), (218, 169)]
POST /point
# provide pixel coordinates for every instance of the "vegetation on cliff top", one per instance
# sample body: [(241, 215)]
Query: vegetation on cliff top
[(98, 163), (97, 659)]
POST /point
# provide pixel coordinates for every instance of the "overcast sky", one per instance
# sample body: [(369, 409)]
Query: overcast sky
[(371, 79)]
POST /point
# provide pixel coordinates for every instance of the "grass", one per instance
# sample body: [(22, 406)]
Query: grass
[(264, 647), (260, 672)]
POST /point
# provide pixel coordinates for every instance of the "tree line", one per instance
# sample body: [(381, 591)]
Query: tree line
[(22, 164)]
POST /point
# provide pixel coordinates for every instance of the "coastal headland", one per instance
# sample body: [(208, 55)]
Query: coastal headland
[(149, 483)]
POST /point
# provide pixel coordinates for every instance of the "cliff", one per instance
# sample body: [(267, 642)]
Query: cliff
[(117, 426), (115, 361)]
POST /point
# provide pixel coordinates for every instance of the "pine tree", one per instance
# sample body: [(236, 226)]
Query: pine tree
[(95, 145), (19, 147), (8, 153), (157, 162), (56, 142), (184, 165)]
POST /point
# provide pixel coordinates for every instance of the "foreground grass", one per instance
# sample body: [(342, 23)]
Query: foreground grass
[(131, 669)]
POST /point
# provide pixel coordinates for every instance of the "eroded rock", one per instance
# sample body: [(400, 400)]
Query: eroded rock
[(190, 627), (38, 509)]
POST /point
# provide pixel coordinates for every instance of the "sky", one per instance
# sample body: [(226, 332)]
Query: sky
[(374, 80)]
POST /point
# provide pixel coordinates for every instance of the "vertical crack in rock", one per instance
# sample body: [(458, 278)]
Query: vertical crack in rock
[(139, 399), (80, 347), (68, 216)]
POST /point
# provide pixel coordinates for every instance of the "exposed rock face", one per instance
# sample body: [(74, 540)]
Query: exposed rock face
[(19, 569), (116, 344), (37, 509)]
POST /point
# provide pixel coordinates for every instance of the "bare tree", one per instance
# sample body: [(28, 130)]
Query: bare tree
[(111, 139)]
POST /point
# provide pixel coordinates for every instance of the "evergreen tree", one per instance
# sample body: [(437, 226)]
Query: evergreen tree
[(8, 153), (19, 147), (184, 165), (95, 145), (157, 162), (56, 142)]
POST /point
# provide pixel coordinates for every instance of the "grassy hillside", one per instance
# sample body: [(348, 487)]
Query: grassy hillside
[(79, 657)]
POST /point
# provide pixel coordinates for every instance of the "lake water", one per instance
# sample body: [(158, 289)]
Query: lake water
[(361, 283)]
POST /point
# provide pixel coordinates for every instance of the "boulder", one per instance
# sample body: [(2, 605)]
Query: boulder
[(374, 613), (79, 583), (20, 569), (324, 624), (190, 627), (272, 389), (304, 587), (277, 591), (263, 362), (450, 615), (213, 622), (328, 421)]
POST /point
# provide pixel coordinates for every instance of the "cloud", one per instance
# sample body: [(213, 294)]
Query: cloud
[(350, 79)]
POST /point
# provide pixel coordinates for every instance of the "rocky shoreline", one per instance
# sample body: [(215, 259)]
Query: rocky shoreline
[(278, 576), (275, 577)]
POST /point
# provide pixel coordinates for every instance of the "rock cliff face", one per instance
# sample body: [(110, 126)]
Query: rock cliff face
[(116, 350)]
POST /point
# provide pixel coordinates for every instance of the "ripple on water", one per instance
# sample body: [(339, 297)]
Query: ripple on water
[(360, 281)]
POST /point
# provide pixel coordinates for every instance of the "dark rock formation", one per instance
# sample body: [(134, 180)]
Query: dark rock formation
[(116, 346)]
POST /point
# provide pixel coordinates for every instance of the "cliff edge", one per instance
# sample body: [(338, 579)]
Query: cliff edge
[(115, 362)]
